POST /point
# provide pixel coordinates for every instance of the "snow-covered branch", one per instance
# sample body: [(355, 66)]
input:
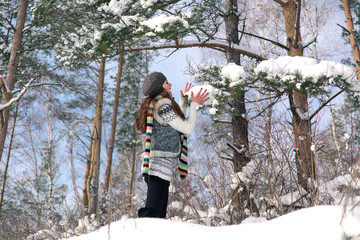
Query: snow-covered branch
[(215, 44), (236, 149), (281, 2), (17, 98)]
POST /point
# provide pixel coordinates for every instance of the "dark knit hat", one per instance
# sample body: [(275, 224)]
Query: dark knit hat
[(153, 83)]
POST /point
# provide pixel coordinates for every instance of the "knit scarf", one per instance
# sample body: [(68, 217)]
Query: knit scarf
[(183, 165)]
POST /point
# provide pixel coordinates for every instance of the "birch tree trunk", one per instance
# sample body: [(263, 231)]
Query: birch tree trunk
[(305, 161), (353, 42), (9, 83)]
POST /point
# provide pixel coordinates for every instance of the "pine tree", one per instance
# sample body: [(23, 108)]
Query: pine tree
[(128, 139)]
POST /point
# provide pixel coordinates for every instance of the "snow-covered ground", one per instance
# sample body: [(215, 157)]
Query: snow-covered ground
[(320, 223)]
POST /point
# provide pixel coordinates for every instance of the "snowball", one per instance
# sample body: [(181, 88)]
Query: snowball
[(195, 89)]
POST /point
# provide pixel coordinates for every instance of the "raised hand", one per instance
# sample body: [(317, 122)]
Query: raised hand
[(187, 88), (201, 97)]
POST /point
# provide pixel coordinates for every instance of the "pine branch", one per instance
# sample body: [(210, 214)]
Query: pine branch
[(206, 44), (39, 85)]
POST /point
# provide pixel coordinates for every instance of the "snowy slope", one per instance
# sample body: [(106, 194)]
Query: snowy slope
[(321, 222)]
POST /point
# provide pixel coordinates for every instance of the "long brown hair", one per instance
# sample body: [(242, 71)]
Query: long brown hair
[(140, 121)]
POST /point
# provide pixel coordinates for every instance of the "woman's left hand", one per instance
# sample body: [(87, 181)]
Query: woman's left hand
[(187, 88)]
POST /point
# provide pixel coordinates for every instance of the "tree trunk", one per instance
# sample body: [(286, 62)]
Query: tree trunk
[(73, 172), (132, 175), (305, 161), (353, 42), (240, 199), (110, 149), (9, 83), (92, 174), (239, 122), (339, 167), (87, 178), (7, 160)]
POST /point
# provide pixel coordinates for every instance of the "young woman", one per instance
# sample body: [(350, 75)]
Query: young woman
[(164, 124)]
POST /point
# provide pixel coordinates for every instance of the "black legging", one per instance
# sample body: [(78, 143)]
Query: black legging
[(156, 199)]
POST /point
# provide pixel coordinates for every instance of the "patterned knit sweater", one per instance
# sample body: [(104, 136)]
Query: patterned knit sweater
[(165, 139)]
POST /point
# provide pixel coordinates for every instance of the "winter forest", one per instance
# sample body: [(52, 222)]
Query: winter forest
[(279, 135)]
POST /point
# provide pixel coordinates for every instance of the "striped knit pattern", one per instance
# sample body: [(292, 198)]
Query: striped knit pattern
[(183, 165), (148, 134)]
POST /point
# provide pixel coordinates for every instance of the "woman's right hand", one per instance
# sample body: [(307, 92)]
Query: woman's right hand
[(200, 98)]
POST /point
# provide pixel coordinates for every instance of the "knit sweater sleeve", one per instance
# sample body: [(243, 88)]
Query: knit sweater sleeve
[(164, 113), (182, 104)]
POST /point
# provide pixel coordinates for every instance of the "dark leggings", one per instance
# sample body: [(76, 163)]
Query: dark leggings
[(157, 198)]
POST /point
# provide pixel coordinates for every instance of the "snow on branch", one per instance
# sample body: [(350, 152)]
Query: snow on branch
[(17, 98), (215, 44)]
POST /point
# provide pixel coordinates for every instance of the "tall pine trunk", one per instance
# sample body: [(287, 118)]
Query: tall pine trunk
[(241, 199), (110, 149), (132, 172), (301, 123), (8, 85), (353, 42), (92, 174), (239, 122), (2, 192)]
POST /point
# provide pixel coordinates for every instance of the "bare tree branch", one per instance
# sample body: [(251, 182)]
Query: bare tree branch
[(344, 28), (325, 103), (266, 39), (268, 106), (308, 44)]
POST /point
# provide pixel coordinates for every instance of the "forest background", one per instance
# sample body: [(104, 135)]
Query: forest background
[(70, 79)]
